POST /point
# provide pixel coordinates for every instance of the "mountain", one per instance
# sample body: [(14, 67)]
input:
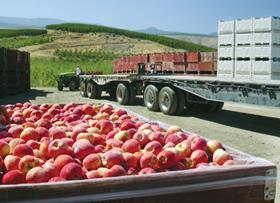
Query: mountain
[(13, 22), (209, 40)]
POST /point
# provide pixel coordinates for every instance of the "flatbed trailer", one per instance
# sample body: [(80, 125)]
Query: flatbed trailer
[(172, 94)]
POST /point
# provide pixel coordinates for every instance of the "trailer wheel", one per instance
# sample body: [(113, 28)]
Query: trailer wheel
[(83, 89), (59, 86), (168, 101), (72, 86), (132, 95), (151, 95), (181, 102), (122, 94), (93, 91)]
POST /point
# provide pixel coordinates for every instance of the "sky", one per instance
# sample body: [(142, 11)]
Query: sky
[(192, 16)]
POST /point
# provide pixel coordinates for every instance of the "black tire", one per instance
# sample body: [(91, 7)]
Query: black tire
[(83, 89), (132, 95), (93, 91), (72, 86), (151, 95), (168, 101), (181, 102), (59, 86), (122, 94)]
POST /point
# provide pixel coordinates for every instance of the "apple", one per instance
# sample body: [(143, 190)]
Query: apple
[(56, 133), (28, 162), (33, 144), (213, 145), (92, 162), (122, 136), (220, 156), (154, 147), (83, 148), (77, 130), (142, 138), (4, 149), (22, 150), (173, 129), (43, 132), (130, 160), (168, 158), (29, 133), (145, 171), (11, 162), (15, 131), (88, 109), (199, 156), (37, 175), (43, 122), (184, 148), (144, 126), (51, 169), (72, 171), (93, 130), (157, 136), (111, 158), (62, 160), (127, 125), (87, 136), (112, 143), (93, 174), (131, 146), (58, 147), (149, 160), (116, 170), (13, 177), (105, 126), (174, 138), (199, 143)]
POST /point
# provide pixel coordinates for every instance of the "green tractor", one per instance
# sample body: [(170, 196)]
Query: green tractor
[(69, 79)]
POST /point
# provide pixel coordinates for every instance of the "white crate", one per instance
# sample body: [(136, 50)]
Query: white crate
[(243, 39), (266, 67), (271, 52), (226, 40), (226, 52), (243, 52), (266, 38), (225, 68), (244, 25), (226, 27), (258, 78), (266, 24), (243, 69)]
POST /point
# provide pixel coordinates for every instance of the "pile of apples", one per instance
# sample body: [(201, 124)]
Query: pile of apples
[(52, 142)]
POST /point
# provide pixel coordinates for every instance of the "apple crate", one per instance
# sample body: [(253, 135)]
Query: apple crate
[(253, 180)]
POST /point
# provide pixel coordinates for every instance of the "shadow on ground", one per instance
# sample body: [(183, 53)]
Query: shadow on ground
[(24, 97)]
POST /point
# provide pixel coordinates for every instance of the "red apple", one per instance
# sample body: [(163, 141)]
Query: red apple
[(37, 175), (199, 143), (168, 158), (33, 144), (22, 150), (220, 156), (93, 174), (28, 162), (122, 136), (199, 156), (43, 132), (213, 145), (145, 171), (127, 125), (11, 162), (112, 143), (56, 133), (4, 149), (173, 129), (116, 170), (82, 148), (157, 136), (112, 157), (105, 126), (72, 171), (131, 146), (149, 160), (13, 177), (184, 148), (15, 131), (92, 162), (62, 160), (174, 138), (56, 179), (58, 147), (130, 160), (29, 133), (142, 138), (154, 147)]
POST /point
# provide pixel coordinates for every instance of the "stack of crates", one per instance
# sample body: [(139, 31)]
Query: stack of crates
[(200, 63), (266, 38), (14, 72), (226, 47), (249, 49)]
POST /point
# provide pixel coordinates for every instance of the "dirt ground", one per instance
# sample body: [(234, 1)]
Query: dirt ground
[(251, 129)]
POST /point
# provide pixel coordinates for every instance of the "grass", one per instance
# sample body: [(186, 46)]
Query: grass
[(45, 70), (170, 42), (20, 32), (18, 42)]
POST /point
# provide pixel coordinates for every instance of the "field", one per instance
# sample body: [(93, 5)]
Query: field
[(45, 70)]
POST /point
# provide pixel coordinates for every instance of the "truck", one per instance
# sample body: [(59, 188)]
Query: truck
[(245, 69)]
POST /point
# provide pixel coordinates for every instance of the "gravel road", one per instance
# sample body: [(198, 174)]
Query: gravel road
[(252, 129)]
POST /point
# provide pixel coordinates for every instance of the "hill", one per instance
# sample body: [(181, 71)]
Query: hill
[(15, 23)]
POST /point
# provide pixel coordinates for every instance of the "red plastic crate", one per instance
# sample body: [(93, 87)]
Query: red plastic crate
[(206, 66), (179, 68), (168, 57), (193, 57), (179, 57), (157, 57), (192, 67), (208, 56)]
